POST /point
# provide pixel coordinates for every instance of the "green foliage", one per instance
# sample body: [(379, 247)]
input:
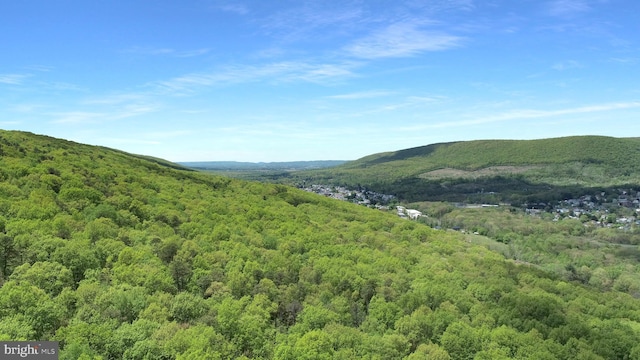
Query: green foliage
[(30, 306), (461, 341), (187, 307), (51, 277), (119, 257), (604, 258)]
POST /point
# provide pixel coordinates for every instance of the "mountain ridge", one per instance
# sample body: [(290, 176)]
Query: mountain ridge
[(517, 166), (275, 165), (510, 152)]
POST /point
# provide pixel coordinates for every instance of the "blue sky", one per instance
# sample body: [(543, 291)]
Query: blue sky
[(261, 80)]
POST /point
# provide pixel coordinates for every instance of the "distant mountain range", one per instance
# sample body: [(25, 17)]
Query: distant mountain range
[(239, 166)]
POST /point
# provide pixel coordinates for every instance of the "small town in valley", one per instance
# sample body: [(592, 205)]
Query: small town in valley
[(619, 209)]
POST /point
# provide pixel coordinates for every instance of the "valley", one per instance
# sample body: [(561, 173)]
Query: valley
[(320, 180), (118, 256)]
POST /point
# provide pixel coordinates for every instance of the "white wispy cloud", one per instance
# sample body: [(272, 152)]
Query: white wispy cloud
[(410, 102), (239, 9), (167, 134), (274, 72), (313, 20), (191, 53), (13, 79), (402, 40), (568, 7), (128, 141), (35, 83), (566, 65), (100, 114), (155, 51), (63, 86), (194, 111), (41, 68), (76, 117), (26, 108), (523, 114), (148, 50), (115, 99), (132, 110), (399, 106), (442, 5), (122, 105), (362, 95), (625, 60), (270, 53), (320, 73)]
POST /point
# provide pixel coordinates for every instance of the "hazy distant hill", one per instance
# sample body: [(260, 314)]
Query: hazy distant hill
[(119, 257), (515, 169), (252, 166)]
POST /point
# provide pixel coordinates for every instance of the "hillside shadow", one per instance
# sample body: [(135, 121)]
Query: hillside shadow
[(498, 189), (408, 153)]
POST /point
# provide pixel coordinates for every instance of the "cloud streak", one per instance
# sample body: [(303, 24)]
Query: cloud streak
[(523, 114), (238, 9), (151, 51), (13, 79), (168, 134), (40, 68), (96, 117), (361, 95), (313, 20), (565, 8), (566, 65), (77, 117), (119, 141), (280, 72), (411, 102), (402, 40)]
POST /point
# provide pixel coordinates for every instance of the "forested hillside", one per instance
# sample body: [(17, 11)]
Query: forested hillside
[(607, 257), (120, 257), (515, 171)]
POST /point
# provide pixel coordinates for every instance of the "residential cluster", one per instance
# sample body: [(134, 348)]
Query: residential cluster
[(620, 210), (364, 197), (361, 196)]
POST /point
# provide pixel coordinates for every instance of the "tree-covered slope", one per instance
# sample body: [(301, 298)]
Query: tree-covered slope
[(118, 257), (517, 169), (473, 155)]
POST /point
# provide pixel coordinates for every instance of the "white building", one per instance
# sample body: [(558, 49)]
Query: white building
[(413, 214)]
